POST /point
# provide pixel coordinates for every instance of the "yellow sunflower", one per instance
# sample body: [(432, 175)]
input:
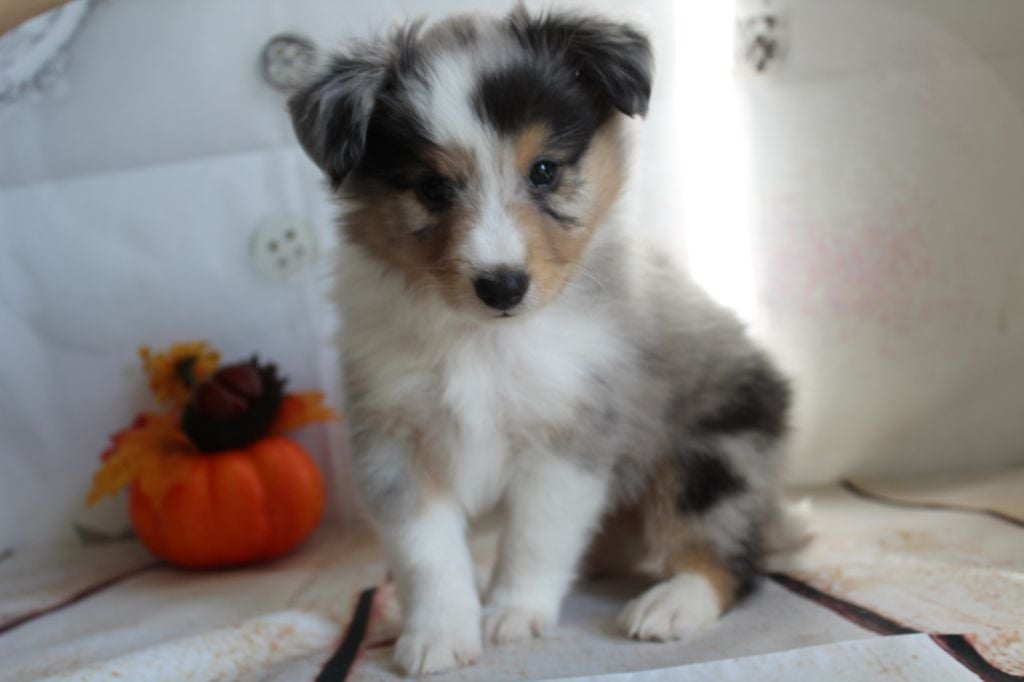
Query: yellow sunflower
[(175, 372)]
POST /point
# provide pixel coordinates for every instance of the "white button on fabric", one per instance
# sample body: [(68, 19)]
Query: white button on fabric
[(283, 247), (288, 61)]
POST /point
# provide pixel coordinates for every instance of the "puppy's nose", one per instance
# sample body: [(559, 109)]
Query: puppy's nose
[(502, 289)]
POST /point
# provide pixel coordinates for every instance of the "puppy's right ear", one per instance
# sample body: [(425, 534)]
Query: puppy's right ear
[(330, 115)]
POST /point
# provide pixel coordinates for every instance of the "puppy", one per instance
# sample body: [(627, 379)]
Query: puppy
[(510, 340)]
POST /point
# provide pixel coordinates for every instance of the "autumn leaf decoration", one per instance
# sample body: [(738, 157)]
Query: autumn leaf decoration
[(209, 409)]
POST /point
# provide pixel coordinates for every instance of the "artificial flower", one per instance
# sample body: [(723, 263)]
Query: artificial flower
[(175, 372)]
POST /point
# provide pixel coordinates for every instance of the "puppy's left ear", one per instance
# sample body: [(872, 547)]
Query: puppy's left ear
[(614, 59)]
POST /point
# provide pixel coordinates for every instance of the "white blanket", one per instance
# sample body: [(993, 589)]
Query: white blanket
[(904, 580)]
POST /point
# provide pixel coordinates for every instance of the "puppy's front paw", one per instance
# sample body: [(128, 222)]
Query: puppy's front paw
[(420, 652), (672, 610), (506, 624)]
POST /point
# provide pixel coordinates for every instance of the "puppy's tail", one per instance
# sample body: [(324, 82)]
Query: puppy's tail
[(788, 531)]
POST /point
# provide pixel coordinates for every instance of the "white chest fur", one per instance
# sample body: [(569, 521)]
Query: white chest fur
[(481, 397), (507, 389)]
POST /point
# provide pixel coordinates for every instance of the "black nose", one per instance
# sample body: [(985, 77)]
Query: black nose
[(502, 289)]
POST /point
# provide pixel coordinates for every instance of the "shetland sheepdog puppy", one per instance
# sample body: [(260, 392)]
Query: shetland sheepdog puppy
[(511, 341)]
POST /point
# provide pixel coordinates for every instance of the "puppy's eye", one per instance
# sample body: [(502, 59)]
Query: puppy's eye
[(435, 190), (543, 173)]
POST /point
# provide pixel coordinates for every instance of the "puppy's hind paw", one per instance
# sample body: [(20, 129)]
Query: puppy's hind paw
[(672, 610)]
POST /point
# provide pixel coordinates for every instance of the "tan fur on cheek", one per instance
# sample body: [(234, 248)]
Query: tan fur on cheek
[(385, 223), (549, 258), (554, 250), (379, 221), (604, 164)]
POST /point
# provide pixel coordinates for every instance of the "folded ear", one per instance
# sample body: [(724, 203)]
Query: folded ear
[(614, 59), (330, 115)]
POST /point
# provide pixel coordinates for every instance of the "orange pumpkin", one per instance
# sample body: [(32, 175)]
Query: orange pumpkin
[(233, 507), (213, 480)]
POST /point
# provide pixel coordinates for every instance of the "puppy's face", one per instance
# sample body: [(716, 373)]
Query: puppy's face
[(479, 157)]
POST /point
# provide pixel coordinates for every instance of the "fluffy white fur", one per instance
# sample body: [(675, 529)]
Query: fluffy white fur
[(485, 378), (435, 574)]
